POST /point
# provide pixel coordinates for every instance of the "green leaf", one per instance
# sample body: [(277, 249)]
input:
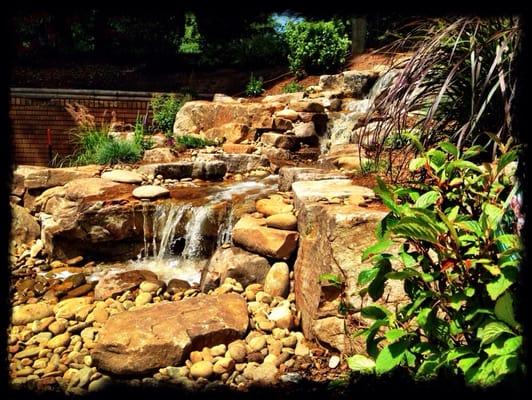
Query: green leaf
[(416, 163), (427, 199), (407, 273), (502, 347), (509, 241), (415, 141), (437, 158), (450, 148), (466, 363), (470, 226), (376, 287), (504, 310), (413, 228), (463, 164), (375, 312), (331, 278), (490, 217), (497, 287), (360, 363), (386, 196), (491, 331), (429, 367), (423, 316), (407, 259), (384, 225), (506, 159), (390, 357), (453, 213), (457, 353), (394, 334), (472, 152), (377, 248), (367, 275)]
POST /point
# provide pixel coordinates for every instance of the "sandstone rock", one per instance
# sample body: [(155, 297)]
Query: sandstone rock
[(58, 326), (61, 340), (264, 374), (350, 163), (142, 299), (279, 140), (304, 130), (283, 97), (307, 106), (289, 175), (273, 205), (209, 170), (233, 262), (277, 282), (288, 114), (163, 334), (177, 286), (237, 351), (282, 221), (282, 316), (238, 148), (24, 228), (176, 170), (70, 307), (223, 98), (82, 189), (36, 248), (310, 191), (49, 177), (331, 331), (231, 132), (356, 83), (282, 124), (275, 243), (113, 284), (26, 313), (201, 369), (122, 176), (223, 365), (159, 155), (150, 192)]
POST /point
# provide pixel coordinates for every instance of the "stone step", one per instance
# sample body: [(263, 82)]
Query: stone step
[(279, 140)]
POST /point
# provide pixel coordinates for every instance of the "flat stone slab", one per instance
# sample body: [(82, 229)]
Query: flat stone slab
[(163, 334), (289, 175), (122, 176), (310, 191), (150, 192), (280, 140), (43, 178)]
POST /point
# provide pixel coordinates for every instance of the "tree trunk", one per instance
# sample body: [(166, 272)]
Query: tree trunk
[(358, 35)]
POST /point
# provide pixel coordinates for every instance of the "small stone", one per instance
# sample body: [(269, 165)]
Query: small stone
[(41, 325), (301, 349), (28, 352), (143, 298), (271, 358), (285, 221), (257, 343), (277, 281), (61, 340), (237, 351), (196, 356), (150, 192), (201, 369), (99, 384), (100, 315), (263, 297), (36, 248), (289, 341), (150, 287), (282, 316), (279, 333), (218, 350), (74, 260), (265, 325), (24, 314), (334, 361), (223, 365), (58, 326)]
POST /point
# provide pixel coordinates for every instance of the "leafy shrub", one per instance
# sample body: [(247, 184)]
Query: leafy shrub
[(254, 87), (459, 264), (293, 87), (193, 142), (371, 166), (165, 108), (316, 47)]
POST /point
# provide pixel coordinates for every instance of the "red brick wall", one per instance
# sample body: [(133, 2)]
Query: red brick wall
[(31, 116)]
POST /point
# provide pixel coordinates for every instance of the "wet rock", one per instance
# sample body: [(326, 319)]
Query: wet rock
[(289, 175), (122, 176), (150, 192), (277, 282), (282, 221), (114, 284), (209, 170), (275, 204), (24, 314), (161, 335), (24, 227), (270, 242), (177, 286), (236, 163), (236, 263)]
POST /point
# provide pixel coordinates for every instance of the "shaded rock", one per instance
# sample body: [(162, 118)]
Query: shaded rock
[(265, 374), (350, 163), (331, 331), (356, 83), (307, 106), (209, 170), (279, 140), (176, 170), (270, 242), (236, 263), (273, 205), (277, 282), (150, 192), (26, 313), (231, 132), (122, 176), (282, 221), (282, 124), (201, 369), (24, 227), (237, 163), (163, 334), (159, 155), (177, 285)]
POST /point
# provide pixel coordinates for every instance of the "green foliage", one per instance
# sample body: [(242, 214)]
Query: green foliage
[(254, 87), (293, 87), (191, 40), (372, 166), (459, 265), (165, 108), (315, 47), (193, 142)]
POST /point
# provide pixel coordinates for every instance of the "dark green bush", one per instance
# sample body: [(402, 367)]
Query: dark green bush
[(255, 86), (193, 142), (164, 108), (316, 47)]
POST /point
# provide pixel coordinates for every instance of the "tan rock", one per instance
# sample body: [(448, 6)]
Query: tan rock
[(24, 227), (270, 242), (287, 114), (86, 188), (201, 369), (150, 192), (277, 282), (279, 140), (161, 335), (350, 163), (159, 155), (231, 132), (50, 177), (61, 340), (70, 307), (238, 148), (282, 316), (223, 365), (24, 314), (122, 176), (273, 205), (237, 351), (58, 326), (282, 221)]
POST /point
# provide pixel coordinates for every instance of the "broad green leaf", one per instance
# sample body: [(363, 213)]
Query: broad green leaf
[(509, 241), (492, 269), (416, 163), (463, 164), (375, 312), (394, 334), (469, 292), (423, 316), (407, 273), (471, 152), (410, 359), (415, 141), (384, 225), (413, 228), (453, 213), (386, 196), (502, 347), (428, 368), (504, 365), (457, 353), (390, 357), (360, 363), (437, 158), (377, 248), (506, 159), (331, 278), (427, 199), (457, 300), (450, 148), (491, 331), (475, 312), (407, 259), (470, 226), (376, 287), (466, 363), (490, 217), (497, 287), (504, 310), (367, 275)]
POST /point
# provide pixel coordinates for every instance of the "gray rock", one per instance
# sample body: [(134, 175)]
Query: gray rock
[(122, 176)]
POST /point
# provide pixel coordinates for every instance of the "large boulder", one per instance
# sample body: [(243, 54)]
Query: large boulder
[(355, 83), (311, 191), (231, 132), (236, 263), (43, 178), (140, 341), (209, 170), (24, 227), (279, 140), (251, 234), (236, 163), (89, 189), (159, 155), (197, 117)]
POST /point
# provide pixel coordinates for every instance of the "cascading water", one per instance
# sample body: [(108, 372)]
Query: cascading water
[(184, 236)]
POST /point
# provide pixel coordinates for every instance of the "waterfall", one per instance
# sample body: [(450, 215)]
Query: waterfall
[(165, 222), (195, 232)]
